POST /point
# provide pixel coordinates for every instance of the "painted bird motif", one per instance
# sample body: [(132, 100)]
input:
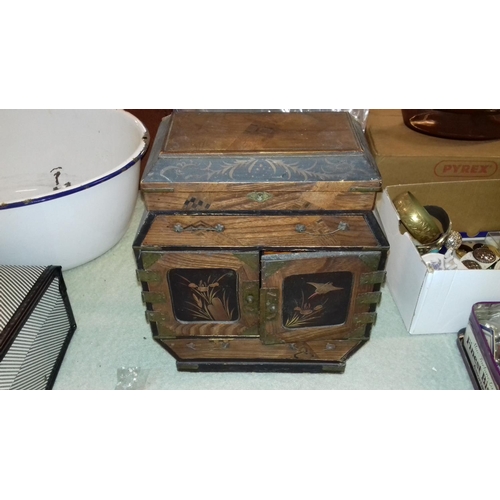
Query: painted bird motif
[(322, 288)]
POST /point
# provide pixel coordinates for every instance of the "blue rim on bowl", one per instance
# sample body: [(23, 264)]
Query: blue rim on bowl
[(66, 192)]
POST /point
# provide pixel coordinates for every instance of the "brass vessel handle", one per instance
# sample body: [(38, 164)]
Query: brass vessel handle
[(416, 218)]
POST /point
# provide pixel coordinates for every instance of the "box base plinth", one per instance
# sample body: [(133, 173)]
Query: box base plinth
[(260, 366), (251, 355)]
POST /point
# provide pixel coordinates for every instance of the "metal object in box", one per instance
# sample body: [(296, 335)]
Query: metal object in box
[(36, 326), (480, 348)]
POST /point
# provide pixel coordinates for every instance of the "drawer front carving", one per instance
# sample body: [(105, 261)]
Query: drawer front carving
[(264, 231)]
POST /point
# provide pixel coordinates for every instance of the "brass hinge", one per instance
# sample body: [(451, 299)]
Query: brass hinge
[(148, 276), (369, 298), (364, 318), (153, 298), (375, 278), (155, 317), (250, 291), (270, 302)]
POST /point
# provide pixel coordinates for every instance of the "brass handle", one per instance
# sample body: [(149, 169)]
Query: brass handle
[(343, 226), (218, 228)]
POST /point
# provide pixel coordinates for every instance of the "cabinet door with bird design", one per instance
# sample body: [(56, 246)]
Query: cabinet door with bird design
[(320, 295)]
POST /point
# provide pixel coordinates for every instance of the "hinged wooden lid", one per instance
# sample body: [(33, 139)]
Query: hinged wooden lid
[(225, 159)]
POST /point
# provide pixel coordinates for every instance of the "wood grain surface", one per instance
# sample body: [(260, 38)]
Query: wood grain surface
[(253, 231)]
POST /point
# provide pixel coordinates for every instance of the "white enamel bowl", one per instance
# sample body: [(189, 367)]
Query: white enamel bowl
[(68, 183)]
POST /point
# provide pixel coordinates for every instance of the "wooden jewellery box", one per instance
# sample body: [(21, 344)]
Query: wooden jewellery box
[(259, 250), (36, 326)]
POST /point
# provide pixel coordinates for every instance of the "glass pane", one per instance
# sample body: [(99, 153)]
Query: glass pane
[(204, 295), (319, 299)]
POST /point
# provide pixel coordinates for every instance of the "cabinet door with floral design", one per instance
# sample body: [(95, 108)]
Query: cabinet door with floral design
[(322, 295), (203, 294)]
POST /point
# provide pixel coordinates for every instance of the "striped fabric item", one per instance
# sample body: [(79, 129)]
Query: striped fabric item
[(36, 349), (15, 283)]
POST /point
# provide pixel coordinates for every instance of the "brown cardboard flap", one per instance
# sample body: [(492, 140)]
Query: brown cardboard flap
[(389, 136), (404, 156), (473, 206)]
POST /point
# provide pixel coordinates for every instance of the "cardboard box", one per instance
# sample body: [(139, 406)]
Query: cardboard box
[(440, 301), (405, 156)]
